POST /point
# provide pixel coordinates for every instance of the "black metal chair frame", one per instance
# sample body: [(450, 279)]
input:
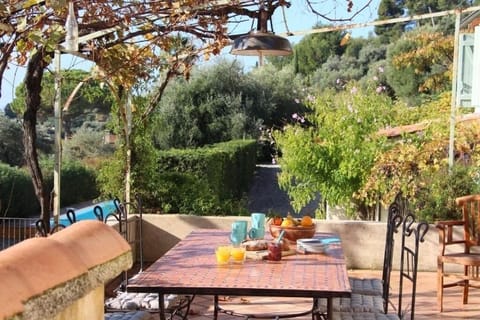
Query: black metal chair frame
[(396, 211), (409, 260), (366, 298), (42, 229), (408, 271)]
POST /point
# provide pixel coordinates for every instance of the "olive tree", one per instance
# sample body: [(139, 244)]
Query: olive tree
[(11, 133)]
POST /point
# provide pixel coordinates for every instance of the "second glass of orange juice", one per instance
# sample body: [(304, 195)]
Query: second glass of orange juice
[(238, 254)]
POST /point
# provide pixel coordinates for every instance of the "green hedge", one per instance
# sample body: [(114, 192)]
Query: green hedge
[(209, 180), (233, 178), (17, 195), (77, 183)]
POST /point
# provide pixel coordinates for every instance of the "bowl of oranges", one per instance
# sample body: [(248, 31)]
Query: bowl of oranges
[(294, 228)]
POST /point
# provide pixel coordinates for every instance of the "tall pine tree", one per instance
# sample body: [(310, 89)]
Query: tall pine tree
[(389, 9), (427, 6)]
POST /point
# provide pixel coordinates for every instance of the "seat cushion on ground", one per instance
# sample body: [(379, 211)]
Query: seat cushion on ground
[(372, 287), (356, 303), (137, 301), (364, 316), (132, 315)]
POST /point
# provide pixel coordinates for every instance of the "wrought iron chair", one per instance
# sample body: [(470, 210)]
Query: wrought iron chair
[(457, 240), (41, 229), (125, 301), (376, 286), (408, 271), (363, 299), (373, 294)]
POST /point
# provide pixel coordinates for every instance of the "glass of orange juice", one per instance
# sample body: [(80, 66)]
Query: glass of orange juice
[(222, 253), (238, 254)]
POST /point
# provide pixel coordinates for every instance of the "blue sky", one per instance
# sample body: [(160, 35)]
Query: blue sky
[(298, 18)]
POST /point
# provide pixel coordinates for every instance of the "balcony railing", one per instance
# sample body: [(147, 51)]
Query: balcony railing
[(14, 230)]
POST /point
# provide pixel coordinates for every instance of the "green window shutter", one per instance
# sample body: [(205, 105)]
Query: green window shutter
[(465, 70), (476, 72)]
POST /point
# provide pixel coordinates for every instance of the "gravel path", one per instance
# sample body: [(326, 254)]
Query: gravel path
[(265, 194)]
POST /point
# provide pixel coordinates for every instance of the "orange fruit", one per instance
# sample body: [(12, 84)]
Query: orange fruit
[(307, 221), (277, 221)]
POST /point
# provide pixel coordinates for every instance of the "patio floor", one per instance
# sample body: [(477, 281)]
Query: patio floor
[(425, 306)]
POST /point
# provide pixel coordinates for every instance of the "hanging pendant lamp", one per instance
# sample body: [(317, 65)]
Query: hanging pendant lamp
[(260, 42)]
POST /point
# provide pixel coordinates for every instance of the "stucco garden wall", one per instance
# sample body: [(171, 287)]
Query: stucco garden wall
[(363, 242)]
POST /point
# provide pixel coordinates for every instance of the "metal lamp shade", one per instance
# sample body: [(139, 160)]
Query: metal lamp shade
[(258, 43)]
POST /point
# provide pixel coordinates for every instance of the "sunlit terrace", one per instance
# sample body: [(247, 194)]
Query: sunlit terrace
[(362, 244)]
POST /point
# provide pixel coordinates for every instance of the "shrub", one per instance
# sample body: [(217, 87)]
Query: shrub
[(182, 192), (437, 200), (11, 152), (77, 184), (17, 196), (202, 181), (226, 167), (110, 176), (334, 153), (86, 144)]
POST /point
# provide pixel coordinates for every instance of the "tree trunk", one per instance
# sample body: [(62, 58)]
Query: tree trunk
[(33, 86)]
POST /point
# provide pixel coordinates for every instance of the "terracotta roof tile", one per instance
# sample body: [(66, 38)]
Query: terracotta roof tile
[(99, 242), (33, 266), (416, 127)]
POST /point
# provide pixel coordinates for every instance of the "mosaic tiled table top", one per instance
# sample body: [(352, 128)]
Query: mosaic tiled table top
[(191, 268)]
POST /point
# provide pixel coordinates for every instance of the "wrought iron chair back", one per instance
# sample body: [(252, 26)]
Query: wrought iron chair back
[(409, 259), (121, 216), (71, 216), (127, 208), (42, 229), (395, 218), (372, 295), (380, 287)]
